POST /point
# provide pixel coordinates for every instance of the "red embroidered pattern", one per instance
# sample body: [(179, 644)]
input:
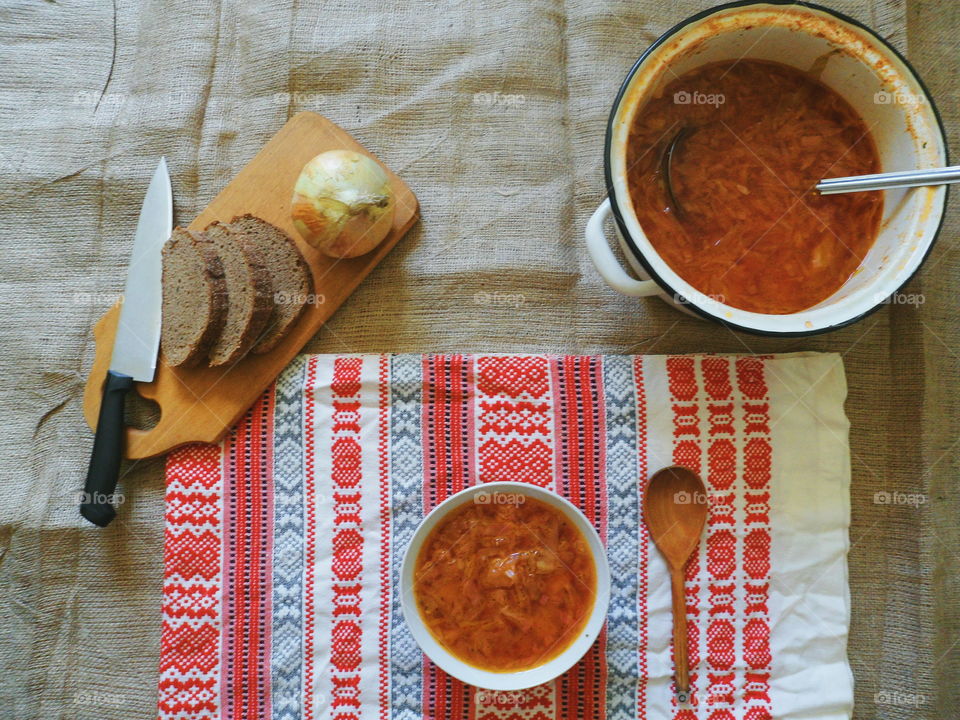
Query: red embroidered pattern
[(682, 383), (514, 433), (682, 378), (721, 538), (756, 552), (248, 534), (448, 426), (310, 543), (707, 425), (347, 541), (537, 703), (580, 472), (514, 441), (643, 581), (383, 445), (189, 642), (534, 419)]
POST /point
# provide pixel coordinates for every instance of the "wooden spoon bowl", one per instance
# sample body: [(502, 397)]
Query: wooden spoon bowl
[(675, 509)]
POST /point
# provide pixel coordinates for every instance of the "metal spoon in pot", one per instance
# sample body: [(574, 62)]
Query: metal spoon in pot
[(890, 180), (830, 186), (675, 510)]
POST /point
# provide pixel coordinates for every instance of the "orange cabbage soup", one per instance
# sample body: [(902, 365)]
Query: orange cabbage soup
[(505, 587), (751, 231)]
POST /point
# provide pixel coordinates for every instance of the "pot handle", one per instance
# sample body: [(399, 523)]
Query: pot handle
[(606, 262)]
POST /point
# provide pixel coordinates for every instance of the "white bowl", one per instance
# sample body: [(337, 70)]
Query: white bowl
[(520, 680), (870, 74)]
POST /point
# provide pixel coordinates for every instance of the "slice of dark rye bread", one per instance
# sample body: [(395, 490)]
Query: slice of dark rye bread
[(194, 298), (290, 277), (249, 294)]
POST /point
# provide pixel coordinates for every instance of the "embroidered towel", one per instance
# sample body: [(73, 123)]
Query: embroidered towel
[(283, 543)]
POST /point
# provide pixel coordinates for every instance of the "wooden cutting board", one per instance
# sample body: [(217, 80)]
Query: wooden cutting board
[(202, 404)]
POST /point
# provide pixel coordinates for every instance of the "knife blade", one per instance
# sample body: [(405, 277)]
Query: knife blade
[(135, 346)]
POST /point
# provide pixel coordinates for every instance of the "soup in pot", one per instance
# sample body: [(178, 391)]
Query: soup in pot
[(749, 229)]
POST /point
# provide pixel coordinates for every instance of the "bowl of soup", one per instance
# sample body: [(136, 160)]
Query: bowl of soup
[(768, 99), (505, 585)]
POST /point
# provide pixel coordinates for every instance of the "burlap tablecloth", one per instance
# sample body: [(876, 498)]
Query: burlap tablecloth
[(494, 113)]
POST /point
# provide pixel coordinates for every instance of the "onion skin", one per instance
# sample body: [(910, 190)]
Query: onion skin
[(343, 204)]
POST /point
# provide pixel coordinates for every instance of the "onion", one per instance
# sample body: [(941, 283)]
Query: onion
[(343, 204)]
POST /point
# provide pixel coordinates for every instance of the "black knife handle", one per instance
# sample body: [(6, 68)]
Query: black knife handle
[(104, 468)]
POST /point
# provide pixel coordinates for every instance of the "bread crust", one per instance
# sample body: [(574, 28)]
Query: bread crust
[(260, 285), (213, 285), (278, 324)]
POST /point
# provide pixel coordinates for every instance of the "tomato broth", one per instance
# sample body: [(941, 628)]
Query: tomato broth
[(505, 587), (750, 230)]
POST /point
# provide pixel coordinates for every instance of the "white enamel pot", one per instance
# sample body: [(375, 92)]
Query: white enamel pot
[(871, 75)]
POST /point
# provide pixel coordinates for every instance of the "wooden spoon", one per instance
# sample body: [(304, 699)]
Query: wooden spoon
[(675, 510)]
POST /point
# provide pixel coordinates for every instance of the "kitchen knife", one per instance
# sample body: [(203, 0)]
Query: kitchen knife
[(134, 347)]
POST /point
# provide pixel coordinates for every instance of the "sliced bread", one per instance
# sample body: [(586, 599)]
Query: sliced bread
[(249, 292), (289, 275), (194, 298)]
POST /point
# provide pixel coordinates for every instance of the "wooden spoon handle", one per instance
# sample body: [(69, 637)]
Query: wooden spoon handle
[(680, 667)]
